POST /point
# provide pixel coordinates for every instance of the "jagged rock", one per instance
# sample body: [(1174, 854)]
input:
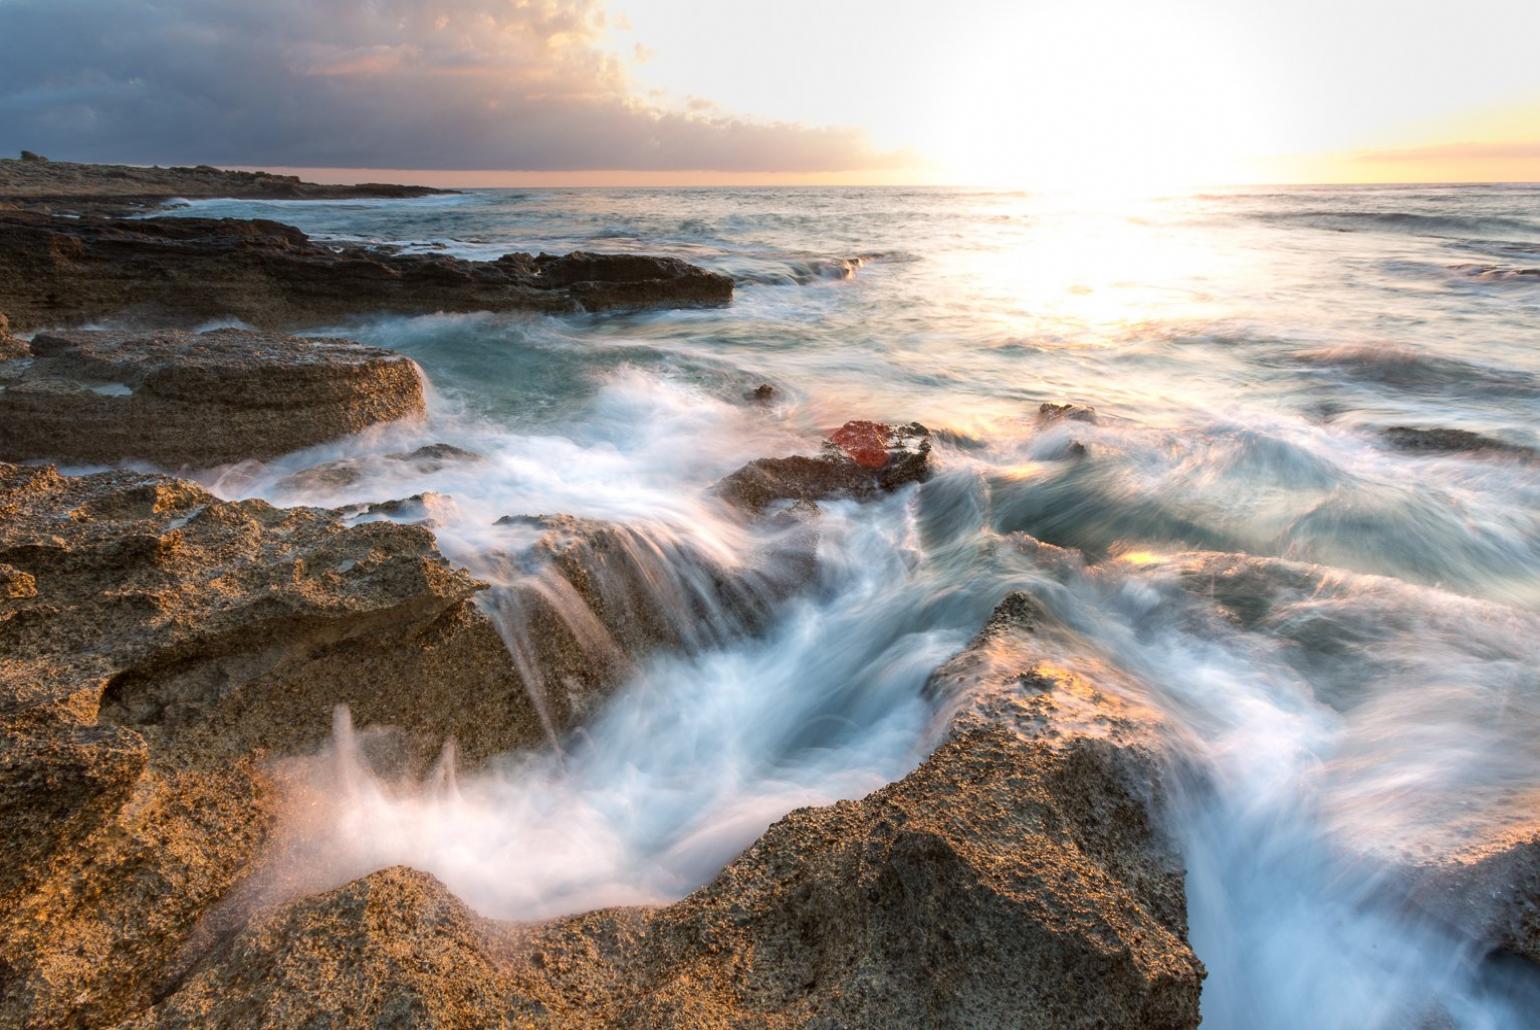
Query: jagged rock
[(860, 460), (415, 956), (158, 641), (186, 399), (184, 271), (1050, 412), (1014, 879), (415, 508), (1451, 441)]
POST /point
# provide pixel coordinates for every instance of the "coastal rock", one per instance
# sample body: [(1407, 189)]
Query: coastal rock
[(184, 271), (196, 399), (1440, 440), (1014, 879), (158, 643), (1049, 412), (860, 460), (581, 600), (393, 949), (10, 346), (38, 183), (1489, 892), (336, 475)]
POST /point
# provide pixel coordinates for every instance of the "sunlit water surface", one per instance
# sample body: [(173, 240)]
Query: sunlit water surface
[(1244, 351)]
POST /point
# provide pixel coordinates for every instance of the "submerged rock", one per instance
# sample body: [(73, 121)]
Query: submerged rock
[(581, 600), (860, 460), (1015, 878), (196, 399), (1440, 440), (1050, 412), (59, 271), (345, 472)]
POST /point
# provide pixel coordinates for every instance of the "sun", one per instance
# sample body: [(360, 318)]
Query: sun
[(1131, 105)]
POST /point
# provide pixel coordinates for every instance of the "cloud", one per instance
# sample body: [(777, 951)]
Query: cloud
[(1510, 151), (453, 84)]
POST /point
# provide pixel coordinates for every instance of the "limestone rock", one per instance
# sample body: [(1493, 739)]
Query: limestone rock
[(158, 642), (185, 271), (196, 399), (1014, 879), (10, 346)]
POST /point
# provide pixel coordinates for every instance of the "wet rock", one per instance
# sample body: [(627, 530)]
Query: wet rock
[(184, 271), (414, 509), (860, 460), (582, 600), (10, 346), (1451, 441), (1049, 412), (764, 393), (435, 456), (186, 399), (1014, 879), (332, 476), (1489, 892)]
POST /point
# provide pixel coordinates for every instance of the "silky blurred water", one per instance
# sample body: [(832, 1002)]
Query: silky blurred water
[(1244, 351)]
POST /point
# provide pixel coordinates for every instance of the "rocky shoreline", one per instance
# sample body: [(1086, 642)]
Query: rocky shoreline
[(35, 183), (167, 651)]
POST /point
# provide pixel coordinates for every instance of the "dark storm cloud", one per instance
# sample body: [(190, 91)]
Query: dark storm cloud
[(466, 84)]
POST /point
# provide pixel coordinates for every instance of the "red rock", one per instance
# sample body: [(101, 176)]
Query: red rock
[(865, 442)]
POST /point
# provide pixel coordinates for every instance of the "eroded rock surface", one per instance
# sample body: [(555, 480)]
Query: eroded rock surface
[(158, 643), (1014, 879), (195, 399), (58, 271), (10, 346), (860, 460)]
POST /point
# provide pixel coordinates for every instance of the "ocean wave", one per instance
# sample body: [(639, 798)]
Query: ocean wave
[(1413, 222)]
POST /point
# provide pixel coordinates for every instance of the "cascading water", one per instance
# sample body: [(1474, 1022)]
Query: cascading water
[(1341, 632)]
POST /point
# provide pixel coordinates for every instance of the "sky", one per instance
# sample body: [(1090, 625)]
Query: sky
[(1112, 94)]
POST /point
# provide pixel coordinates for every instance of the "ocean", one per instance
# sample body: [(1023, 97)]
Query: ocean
[(1343, 633)]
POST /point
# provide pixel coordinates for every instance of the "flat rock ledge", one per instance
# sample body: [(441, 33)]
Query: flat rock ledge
[(1016, 878), (180, 399), (58, 271)]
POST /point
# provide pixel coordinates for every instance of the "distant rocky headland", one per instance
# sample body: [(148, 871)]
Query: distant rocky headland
[(35, 183), (68, 256)]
